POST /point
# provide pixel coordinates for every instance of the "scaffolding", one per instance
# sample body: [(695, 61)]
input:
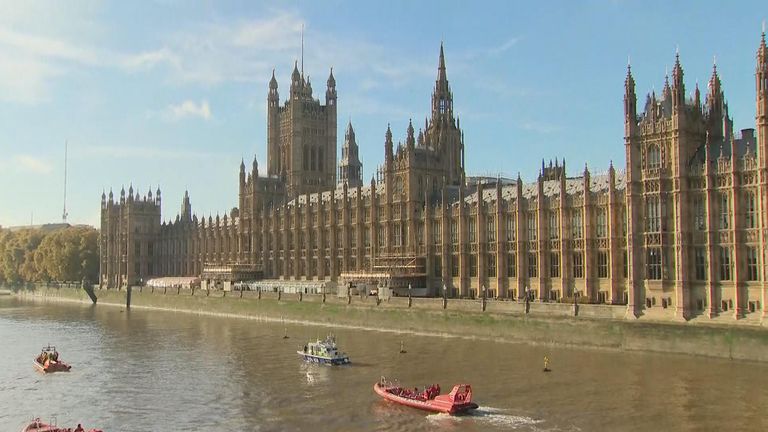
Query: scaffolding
[(389, 274)]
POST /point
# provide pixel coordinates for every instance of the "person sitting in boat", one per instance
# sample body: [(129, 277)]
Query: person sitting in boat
[(79, 428), (55, 357)]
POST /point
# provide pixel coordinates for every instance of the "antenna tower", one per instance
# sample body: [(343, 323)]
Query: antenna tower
[(64, 213)]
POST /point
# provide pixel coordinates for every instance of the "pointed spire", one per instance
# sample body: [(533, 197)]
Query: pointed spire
[(273, 81), (331, 80), (410, 139), (697, 96), (441, 64)]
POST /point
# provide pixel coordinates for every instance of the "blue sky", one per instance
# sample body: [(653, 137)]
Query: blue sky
[(173, 93)]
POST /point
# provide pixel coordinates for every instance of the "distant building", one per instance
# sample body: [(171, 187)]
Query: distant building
[(680, 232)]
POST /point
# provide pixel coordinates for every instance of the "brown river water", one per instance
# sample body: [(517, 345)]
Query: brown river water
[(142, 370)]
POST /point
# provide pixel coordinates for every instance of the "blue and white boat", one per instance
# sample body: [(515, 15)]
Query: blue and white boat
[(324, 352)]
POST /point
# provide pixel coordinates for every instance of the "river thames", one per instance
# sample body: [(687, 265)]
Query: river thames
[(142, 370)]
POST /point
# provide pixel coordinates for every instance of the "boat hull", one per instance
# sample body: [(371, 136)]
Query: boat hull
[(432, 405), (38, 426), (333, 361), (53, 367)]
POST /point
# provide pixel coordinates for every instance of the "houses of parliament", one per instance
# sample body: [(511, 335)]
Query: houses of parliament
[(680, 230)]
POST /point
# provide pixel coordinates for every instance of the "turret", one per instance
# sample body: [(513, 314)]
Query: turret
[(630, 102), (410, 140), (761, 87), (273, 97), (330, 93), (296, 81), (242, 173), (388, 149), (678, 86), (157, 196)]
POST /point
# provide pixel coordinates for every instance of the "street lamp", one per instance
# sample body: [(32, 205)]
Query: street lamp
[(410, 300), (484, 298), (445, 296)]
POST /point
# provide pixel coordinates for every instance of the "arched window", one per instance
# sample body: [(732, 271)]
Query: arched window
[(654, 157)]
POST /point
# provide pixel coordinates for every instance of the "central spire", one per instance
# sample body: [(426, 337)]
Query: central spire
[(442, 99)]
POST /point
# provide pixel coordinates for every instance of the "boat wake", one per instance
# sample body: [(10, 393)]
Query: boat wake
[(497, 417)]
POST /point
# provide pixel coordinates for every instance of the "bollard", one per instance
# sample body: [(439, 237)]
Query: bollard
[(279, 295), (323, 297), (301, 296), (259, 294), (165, 290), (128, 298), (241, 293)]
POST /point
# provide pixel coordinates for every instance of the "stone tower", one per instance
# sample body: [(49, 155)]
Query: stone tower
[(350, 168), (129, 230), (301, 136)]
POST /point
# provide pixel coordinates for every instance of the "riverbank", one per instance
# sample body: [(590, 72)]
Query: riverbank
[(596, 326)]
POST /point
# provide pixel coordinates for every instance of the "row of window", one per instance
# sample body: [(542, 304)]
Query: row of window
[(724, 264)]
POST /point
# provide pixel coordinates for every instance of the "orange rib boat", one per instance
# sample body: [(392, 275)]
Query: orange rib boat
[(48, 361), (458, 401), (37, 426)]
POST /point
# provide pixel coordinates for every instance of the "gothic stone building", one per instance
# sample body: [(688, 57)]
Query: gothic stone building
[(680, 232)]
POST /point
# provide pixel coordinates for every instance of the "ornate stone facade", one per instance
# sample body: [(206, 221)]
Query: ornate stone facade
[(681, 232)]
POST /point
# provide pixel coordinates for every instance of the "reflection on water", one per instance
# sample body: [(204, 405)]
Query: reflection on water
[(148, 370)]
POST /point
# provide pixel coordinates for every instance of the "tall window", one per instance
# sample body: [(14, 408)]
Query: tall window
[(749, 210), (491, 229), (602, 223), (438, 267), (554, 265), (725, 210), (653, 214), (654, 264), (437, 234), (454, 265), (725, 263), (454, 232), (533, 265), (512, 264), (473, 266), (699, 213), (576, 224), (578, 265), (654, 157), (511, 228), (752, 264), (492, 265), (532, 226), (471, 228), (700, 261), (602, 264), (554, 225)]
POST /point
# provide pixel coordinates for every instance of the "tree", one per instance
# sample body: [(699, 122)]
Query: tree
[(70, 254)]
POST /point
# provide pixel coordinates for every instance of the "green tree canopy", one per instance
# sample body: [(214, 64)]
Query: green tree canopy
[(31, 255)]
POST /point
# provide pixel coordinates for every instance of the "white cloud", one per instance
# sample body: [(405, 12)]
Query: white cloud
[(188, 109), (31, 164)]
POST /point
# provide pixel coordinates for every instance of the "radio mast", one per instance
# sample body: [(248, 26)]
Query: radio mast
[(64, 213)]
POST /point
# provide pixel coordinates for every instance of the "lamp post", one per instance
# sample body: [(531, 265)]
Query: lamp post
[(527, 299), (575, 302), (484, 297), (410, 299), (445, 297)]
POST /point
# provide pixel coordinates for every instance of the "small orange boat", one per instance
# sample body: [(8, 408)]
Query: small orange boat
[(48, 361), (458, 401), (37, 426)]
